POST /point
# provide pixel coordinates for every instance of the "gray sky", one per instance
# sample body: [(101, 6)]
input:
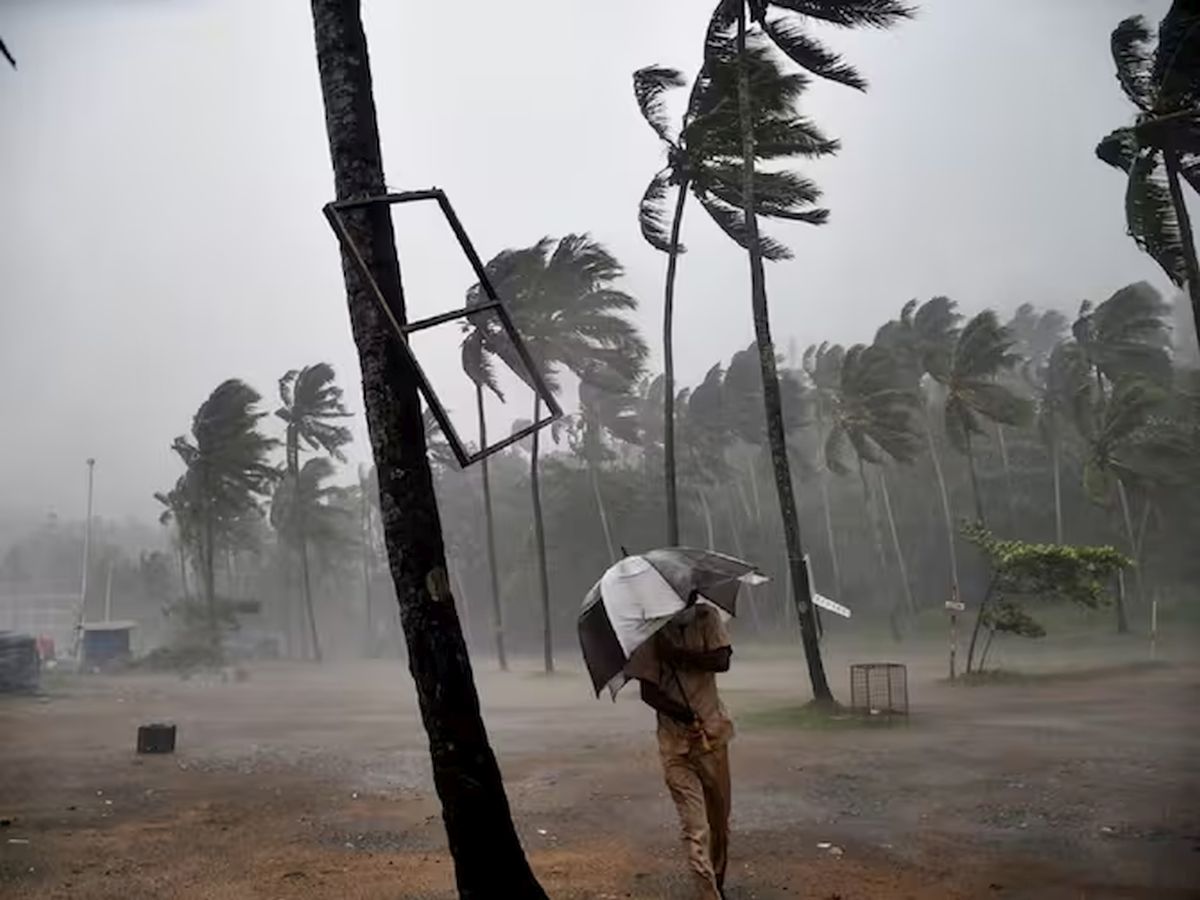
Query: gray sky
[(164, 162)]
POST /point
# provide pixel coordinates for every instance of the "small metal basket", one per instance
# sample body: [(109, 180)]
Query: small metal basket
[(879, 689)]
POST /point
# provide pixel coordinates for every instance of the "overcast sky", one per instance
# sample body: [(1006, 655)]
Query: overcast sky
[(163, 164)]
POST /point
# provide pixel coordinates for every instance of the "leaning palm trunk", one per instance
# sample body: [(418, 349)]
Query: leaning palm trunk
[(825, 506), (975, 483), (1188, 242), (1123, 497), (887, 506), (489, 526), (772, 402), (594, 477), (1056, 465), (539, 542), (210, 579), (293, 464), (873, 521), (479, 827), (946, 513), (310, 615), (1008, 484), (669, 375)]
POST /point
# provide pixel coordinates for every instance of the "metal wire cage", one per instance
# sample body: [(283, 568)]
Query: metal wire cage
[(879, 689)]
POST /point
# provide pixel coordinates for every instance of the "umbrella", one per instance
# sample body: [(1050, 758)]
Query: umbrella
[(639, 594)]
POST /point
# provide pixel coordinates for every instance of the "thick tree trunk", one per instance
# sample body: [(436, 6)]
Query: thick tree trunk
[(1186, 238), (482, 839), (539, 542), (887, 506), (776, 433), (489, 526), (947, 514), (669, 374)]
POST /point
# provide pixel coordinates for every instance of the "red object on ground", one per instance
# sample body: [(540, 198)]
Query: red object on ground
[(45, 648)]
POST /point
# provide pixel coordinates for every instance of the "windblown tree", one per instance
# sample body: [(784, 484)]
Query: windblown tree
[(923, 341), (180, 510), (974, 394), (312, 404), (874, 414), (305, 515), (1061, 387), (226, 474), (1162, 80), (479, 827), (607, 409), (563, 300), (702, 160)]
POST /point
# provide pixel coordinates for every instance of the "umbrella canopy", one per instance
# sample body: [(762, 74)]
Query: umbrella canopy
[(639, 594)]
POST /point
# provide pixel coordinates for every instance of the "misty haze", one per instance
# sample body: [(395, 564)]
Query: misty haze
[(640, 448)]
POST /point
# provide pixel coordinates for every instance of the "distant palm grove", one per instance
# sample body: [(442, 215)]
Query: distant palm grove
[(887, 474)]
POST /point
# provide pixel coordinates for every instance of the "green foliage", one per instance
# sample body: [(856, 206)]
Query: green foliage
[(982, 352), (1163, 84), (1047, 572)]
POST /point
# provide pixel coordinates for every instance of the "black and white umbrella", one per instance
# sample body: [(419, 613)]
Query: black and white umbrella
[(640, 594)]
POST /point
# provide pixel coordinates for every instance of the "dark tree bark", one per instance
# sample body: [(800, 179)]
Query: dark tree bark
[(772, 401), (1171, 157), (490, 530), (539, 536), (487, 853), (669, 374)]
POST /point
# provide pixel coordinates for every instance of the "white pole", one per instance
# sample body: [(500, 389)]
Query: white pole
[(87, 559), (108, 595), (1154, 627)]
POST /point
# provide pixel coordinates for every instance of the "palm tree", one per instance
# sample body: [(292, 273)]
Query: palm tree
[(311, 405), (873, 410), (1163, 82), (304, 514), (698, 161), (226, 472), (606, 407), (922, 341), (179, 509), (479, 828), (973, 394), (562, 299), (823, 365), (1127, 335), (1060, 384)]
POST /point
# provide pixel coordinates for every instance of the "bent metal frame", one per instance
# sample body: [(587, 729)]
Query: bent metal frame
[(333, 212)]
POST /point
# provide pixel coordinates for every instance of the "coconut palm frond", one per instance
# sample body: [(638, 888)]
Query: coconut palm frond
[(7, 55), (789, 36), (731, 220), (850, 13), (650, 84), (1133, 57), (1119, 149), (1151, 216), (653, 216), (1176, 70), (984, 348)]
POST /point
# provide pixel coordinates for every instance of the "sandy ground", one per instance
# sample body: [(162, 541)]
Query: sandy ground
[(309, 781)]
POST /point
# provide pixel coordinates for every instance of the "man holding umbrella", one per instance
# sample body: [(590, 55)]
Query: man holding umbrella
[(659, 617), (677, 670)]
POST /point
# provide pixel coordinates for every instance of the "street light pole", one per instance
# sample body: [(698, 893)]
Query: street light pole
[(87, 557)]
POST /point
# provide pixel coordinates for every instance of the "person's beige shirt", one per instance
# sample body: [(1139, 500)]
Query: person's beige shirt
[(698, 629)]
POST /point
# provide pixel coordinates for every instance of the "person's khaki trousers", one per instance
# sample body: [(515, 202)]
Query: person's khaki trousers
[(699, 785)]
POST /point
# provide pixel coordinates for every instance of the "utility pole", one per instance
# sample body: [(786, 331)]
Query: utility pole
[(87, 559), (488, 858)]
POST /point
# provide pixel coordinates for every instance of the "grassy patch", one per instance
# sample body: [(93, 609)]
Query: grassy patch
[(1009, 676), (811, 717)]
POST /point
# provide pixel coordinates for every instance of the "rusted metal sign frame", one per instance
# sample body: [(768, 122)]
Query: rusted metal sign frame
[(333, 213)]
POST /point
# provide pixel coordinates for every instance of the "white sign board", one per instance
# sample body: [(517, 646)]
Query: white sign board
[(955, 606), (835, 608)]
